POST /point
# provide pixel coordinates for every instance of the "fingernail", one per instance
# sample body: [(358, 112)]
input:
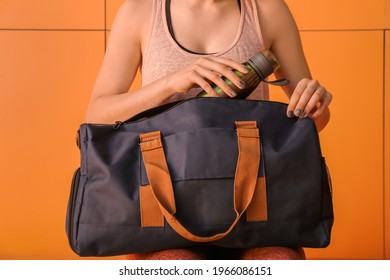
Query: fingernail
[(298, 112), (290, 114), (303, 114), (242, 84), (247, 70), (233, 93)]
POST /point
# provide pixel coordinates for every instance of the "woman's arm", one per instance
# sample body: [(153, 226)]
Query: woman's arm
[(111, 101), (281, 36)]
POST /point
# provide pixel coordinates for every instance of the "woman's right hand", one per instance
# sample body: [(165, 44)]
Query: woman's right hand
[(204, 72)]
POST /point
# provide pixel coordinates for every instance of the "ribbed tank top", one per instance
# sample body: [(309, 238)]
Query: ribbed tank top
[(163, 55)]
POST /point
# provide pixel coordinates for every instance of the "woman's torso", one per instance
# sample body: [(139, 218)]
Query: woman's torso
[(163, 54)]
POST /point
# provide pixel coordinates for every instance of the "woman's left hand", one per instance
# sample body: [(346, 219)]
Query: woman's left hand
[(309, 99)]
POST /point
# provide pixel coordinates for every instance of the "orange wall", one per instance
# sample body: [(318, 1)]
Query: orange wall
[(51, 53), (387, 143)]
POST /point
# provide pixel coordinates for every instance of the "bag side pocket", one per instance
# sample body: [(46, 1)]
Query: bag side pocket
[(327, 192), (71, 207)]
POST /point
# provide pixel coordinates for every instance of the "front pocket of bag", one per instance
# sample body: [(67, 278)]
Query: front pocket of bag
[(71, 206), (202, 165), (209, 153)]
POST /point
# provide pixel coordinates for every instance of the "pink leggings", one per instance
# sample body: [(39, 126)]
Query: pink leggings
[(265, 253)]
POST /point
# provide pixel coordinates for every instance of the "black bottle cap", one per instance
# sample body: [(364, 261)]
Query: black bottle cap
[(264, 63)]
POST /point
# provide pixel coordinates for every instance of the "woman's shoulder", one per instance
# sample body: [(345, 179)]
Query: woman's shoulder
[(138, 5), (133, 17), (273, 4), (275, 18), (136, 9), (273, 9), (135, 12)]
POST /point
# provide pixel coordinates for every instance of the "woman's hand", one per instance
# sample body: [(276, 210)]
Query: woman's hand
[(207, 70), (309, 99)]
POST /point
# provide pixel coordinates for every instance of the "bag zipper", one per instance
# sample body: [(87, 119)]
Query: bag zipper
[(117, 125), (71, 205)]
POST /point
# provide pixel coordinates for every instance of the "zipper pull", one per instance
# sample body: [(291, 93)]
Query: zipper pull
[(117, 125)]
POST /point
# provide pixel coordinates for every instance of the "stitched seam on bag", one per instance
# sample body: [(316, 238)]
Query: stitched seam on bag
[(201, 179), (138, 226), (206, 178), (83, 187), (150, 138), (208, 226)]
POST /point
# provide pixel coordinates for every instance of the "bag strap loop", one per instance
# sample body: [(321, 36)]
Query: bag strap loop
[(244, 184)]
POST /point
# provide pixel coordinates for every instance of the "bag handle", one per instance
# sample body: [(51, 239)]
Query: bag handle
[(244, 184)]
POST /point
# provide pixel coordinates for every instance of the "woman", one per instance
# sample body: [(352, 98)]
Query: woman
[(181, 46)]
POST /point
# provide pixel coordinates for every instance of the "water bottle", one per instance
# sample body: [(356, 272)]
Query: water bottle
[(260, 66)]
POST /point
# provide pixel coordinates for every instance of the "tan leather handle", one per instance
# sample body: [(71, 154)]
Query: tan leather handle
[(244, 183)]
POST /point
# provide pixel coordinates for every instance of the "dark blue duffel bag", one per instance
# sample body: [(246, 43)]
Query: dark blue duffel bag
[(215, 171)]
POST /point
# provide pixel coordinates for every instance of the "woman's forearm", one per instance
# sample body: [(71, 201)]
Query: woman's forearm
[(109, 108)]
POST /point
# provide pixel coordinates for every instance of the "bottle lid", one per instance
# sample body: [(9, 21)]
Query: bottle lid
[(264, 63)]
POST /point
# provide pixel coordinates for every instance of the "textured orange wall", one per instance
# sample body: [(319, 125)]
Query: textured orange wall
[(49, 58)]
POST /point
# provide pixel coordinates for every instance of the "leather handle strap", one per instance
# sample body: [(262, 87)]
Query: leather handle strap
[(244, 184), (157, 171)]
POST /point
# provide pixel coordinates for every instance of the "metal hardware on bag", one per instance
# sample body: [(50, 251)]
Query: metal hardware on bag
[(117, 125)]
